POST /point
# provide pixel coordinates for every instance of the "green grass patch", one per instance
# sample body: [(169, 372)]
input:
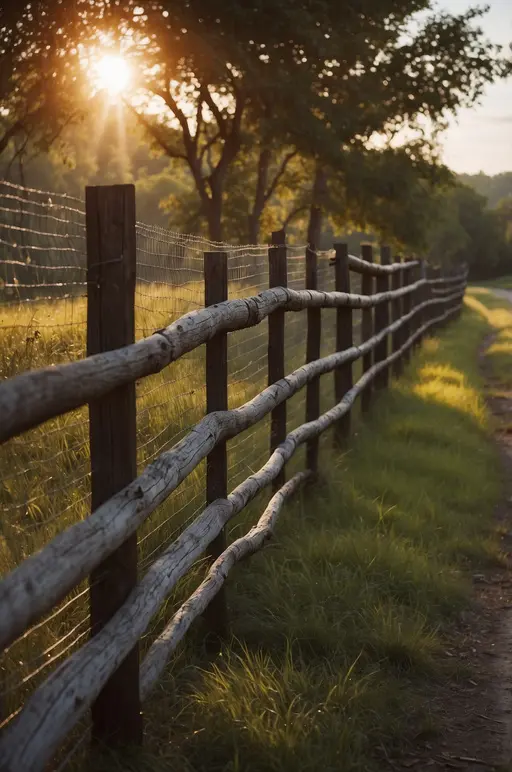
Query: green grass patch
[(338, 623), (498, 312), (502, 282)]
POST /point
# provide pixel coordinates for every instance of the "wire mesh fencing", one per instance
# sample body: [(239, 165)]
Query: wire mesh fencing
[(45, 473)]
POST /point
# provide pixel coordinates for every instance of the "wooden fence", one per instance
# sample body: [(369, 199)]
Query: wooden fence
[(104, 674)]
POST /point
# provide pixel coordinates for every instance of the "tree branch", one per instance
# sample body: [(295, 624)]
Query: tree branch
[(199, 120), (291, 215), (217, 114), (206, 147), (231, 143), (177, 112), (9, 133), (275, 182), (168, 150)]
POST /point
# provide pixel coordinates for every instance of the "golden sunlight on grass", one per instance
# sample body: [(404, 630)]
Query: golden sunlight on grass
[(498, 313), (447, 386)]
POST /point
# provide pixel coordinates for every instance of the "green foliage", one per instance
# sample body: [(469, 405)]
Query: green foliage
[(493, 188), (105, 148), (41, 83), (320, 80), (467, 231)]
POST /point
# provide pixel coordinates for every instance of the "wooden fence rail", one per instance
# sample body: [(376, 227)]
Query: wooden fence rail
[(90, 676)]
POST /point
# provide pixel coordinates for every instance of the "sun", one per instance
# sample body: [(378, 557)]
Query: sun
[(113, 74)]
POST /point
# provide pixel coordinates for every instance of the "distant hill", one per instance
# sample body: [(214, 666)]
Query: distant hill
[(494, 188)]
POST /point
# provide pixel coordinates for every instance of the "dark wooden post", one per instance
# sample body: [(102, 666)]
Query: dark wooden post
[(396, 313), (216, 291), (111, 269), (382, 321), (419, 298), (278, 277), (344, 339), (406, 308), (433, 311), (313, 342), (367, 325)]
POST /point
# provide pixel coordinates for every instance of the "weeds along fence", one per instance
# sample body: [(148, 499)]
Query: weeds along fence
[(122, 470)]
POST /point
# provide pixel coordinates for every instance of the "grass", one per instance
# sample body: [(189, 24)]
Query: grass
[(44, 473), (499, 354), (502, 282), (338, 625), (338, 622)]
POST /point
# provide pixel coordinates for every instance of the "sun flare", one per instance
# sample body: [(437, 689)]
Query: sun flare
[(113, 74)]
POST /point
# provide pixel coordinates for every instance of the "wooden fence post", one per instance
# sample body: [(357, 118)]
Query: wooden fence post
[(278, 277), (418, 299), (314, 321), (367, 325), (111, 272), (432, 273), (216, 291), (344, 339), (407, 327), (382, 321), (396, 313)]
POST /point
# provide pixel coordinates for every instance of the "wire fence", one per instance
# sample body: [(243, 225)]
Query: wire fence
[(45, 473)]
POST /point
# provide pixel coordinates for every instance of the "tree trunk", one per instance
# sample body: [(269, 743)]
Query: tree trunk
[(259, 196), (316, 209), (214, 213)]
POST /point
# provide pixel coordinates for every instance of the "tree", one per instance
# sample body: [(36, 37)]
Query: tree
[(412, 84), (494, 188), (224, 75), (282, 86), (40, 76), (504, 215), (465, 230)]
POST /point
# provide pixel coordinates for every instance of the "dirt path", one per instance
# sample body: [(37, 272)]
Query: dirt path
[(472, 715)]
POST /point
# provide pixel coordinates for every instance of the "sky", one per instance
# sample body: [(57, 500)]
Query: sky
[(481, 138)]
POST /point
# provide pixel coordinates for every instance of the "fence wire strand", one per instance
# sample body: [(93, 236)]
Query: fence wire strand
[(45, 472), (45, 481)]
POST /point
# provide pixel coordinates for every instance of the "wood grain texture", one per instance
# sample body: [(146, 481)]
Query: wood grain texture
[(278, 277), (363, 266), (111, 269), (344, 340)]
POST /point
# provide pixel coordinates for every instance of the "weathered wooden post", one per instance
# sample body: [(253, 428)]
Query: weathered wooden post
[(313, 341), (407, 327), (111, 272), (396, 314), (278, 277), (216, 291), (420, 299), (382, 321), (433, 310), (367, 325), (344, 339)]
